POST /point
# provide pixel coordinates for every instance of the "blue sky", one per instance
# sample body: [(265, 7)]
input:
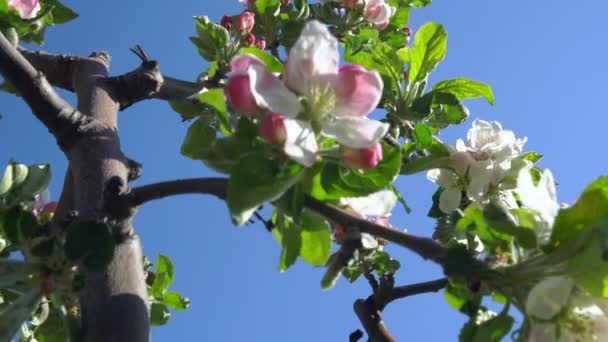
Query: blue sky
[(545, 60)]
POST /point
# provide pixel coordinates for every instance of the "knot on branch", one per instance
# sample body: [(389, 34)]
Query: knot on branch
[(135, 169), (139, 84), (118, 205)]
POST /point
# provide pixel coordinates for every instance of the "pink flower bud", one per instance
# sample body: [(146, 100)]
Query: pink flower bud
[(351, 3), (407, 31), (261, 44), (245, 21), (226, 21), (27, 9), (272, 128), (362, 158), (285, 2), (239, 96), (249, 39)]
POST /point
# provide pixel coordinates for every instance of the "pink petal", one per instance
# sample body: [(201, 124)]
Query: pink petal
[(358, 91), (27, 9), (242, 62)]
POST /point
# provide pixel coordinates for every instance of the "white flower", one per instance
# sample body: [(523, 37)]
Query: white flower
[(541, 199), (487, 140), (337, 98), (549, 297), (376, 207)]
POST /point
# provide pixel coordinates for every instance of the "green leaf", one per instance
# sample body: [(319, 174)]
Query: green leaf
[(383, 264), (256, 179), (163, 276), (91, 243), (198, 137), (14, 175), (458, 296), (15, 314), (272, 63), (473, 221), (18, 225), (60, 13), (176, 301), (267, 7), (291, 203), (216, 99), (186, 109), (291, 242), (590, 208), (429, 48), (316, 239), (159, 314), (335, 182), (464, 88), (423, 136), (335, 266), (531, 156), (491, 330), (501, 220), (211, 39)]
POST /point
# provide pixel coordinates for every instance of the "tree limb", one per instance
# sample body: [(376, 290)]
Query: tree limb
[(58, 69), (63, 121), (370, 318), (425, 247), (416, 289)]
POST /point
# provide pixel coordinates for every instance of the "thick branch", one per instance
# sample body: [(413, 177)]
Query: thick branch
[(64, 122), (416, 289), (58, 69), (370, 318), (425, 247), (211, 186)]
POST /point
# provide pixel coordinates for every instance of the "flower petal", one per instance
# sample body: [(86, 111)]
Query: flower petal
[(269, 92), (355, 132), (358, 91), (242, 62), (548, 297), (378, 204), (449, 200), (301, 144), (312, 59)]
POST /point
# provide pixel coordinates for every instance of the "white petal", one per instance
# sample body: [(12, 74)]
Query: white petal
[(380, 203), (549, 297), (449, 200), (355, 132), (368, 241), (480, 174), (269, 92), (300, 144), (442, 177), (313, 57)]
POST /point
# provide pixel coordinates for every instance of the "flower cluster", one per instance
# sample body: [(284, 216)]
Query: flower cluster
[(315, 101), (243, 24), (378, 12), (27, 9), (43, 205), (478, 164), (562, 312)]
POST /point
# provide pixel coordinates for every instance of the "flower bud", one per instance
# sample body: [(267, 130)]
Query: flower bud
[(249, 39), (239, 96), (273, 129), (362, 158), (27, 9), (407, 31), (245, 21), (261, 44), (226, 22), (49, 208)]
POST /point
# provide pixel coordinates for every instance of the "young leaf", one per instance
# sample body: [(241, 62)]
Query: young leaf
[(176, 301), (272, 63), (91, 243), (464, 88), (198, 137), (256, 179), (163, 276), (316, 239), (159, 314), (429, 48)]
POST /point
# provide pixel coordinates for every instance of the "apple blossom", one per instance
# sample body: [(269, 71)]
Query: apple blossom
[(249, 39), (379, 13), (540, 198), (362, 158), (375, 207), (484, 160), (245, 21), (261, 44), (226, 21), (336, 99), (239, 96), (549, 297), (272, 128), (27, 9)]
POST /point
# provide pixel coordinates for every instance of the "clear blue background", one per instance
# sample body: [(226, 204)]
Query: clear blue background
[(546, 60)]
